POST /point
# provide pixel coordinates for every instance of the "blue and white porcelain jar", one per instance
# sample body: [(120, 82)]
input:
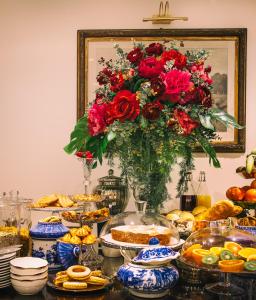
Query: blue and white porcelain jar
[(150, 274), (44, 244)]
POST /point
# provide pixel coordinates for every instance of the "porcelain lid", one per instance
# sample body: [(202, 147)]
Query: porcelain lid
[(155, 254)]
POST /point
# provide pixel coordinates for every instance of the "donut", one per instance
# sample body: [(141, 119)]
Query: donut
[(78, 272)]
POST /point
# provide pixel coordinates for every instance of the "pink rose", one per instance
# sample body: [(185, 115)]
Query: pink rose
[(96, 119), (176, 81)]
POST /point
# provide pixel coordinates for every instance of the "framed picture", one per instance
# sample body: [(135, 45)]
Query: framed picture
[(227, 57)]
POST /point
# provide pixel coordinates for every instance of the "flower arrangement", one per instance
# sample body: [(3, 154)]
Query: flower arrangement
[(152, 106)]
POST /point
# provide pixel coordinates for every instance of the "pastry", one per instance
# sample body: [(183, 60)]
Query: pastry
[(73, 231), (74, 285), (46, 201), (78, 272), (141, 234), (60, 279), (66, 238), (65, 201), (95, 280), (81, 232), (199, 210), (75, 240), (90, 239), (51, 219), (185, 216)]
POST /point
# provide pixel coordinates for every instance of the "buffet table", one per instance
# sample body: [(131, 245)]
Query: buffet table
[(117, 291)]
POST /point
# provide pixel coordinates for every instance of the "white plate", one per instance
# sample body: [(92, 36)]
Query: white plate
[(8, 256), (4, 264), (29, 262), (4, 278), (5, 285), (110, 242)]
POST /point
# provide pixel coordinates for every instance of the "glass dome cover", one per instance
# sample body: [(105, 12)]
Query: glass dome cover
[(144, 225), (221, 248)]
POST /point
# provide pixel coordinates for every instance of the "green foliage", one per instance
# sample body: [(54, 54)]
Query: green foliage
[(224, 118)]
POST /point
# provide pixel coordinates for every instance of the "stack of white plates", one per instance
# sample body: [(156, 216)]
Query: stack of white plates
[(29, 274), (5, 279)]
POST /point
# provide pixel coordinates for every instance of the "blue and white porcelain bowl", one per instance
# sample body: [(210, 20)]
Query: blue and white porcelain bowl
[(150, 274), (148, 281), (44, 244)]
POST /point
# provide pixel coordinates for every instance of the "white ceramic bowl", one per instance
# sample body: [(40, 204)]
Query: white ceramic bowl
[(28, 272), (29, 277), (29, 262), (28, 287)]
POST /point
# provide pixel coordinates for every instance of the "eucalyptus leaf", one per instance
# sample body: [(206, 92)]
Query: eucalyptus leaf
[(206, 122), (111, 135), (224, 118)]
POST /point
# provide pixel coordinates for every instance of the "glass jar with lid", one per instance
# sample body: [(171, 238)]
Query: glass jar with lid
[(114, 190)]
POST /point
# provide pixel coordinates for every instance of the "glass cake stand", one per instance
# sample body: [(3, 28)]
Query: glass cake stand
[(128, 250)]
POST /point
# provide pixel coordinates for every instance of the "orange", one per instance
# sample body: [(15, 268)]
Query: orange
[(198, 254), (216, 250), (233, 247), (233, 265), (251, 257), (246, 252), (188, 252)]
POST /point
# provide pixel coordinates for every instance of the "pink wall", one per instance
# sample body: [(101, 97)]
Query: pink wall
[(38, 83)]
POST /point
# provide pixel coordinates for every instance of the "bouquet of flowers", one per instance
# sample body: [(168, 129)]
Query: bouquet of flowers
[(152, 106)]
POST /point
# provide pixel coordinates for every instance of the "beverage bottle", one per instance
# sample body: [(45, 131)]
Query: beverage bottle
[(203, 197), (188, 199)]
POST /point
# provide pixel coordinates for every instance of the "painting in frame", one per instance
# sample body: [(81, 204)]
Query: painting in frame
[(227, 57)]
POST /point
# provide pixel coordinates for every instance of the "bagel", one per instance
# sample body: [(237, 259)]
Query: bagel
[(78, 272)]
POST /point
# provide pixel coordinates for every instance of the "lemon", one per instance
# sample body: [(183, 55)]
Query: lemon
[(246, 252), (216, 250)]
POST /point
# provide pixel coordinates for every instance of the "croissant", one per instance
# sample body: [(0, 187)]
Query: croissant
[(90, 239)]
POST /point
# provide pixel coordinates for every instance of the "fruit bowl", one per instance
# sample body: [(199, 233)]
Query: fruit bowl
[(219, 248)]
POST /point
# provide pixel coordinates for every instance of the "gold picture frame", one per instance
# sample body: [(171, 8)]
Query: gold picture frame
[(227, 48)]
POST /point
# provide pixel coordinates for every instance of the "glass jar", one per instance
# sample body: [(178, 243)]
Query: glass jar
[(25, 225), (9, 222), (114, 190)]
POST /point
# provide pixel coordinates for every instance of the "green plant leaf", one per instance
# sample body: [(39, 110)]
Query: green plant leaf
[(208, 149), (206, 121), (137, 84), (224, 118), (78, 137)]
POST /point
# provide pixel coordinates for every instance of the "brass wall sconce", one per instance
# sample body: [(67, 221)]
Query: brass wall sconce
[(164, 16)]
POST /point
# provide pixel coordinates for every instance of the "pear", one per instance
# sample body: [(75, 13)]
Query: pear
[(249, 163)]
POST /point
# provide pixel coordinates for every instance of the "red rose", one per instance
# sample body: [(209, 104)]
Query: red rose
[(96, 119), (150, 67), (135, 56), (204, 96), (180, 61), (123, 107), (169, 55), (85, 154), (154, 49), (187, 124), (152, 110), (208, 69), (117, 82), (103, 76), (176, 81), (157, 85)]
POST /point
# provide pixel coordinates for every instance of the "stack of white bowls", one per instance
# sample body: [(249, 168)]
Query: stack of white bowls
[(5, 259), (29, 274)]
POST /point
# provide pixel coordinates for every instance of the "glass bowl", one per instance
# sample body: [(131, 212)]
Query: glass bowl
[(131, 230)]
